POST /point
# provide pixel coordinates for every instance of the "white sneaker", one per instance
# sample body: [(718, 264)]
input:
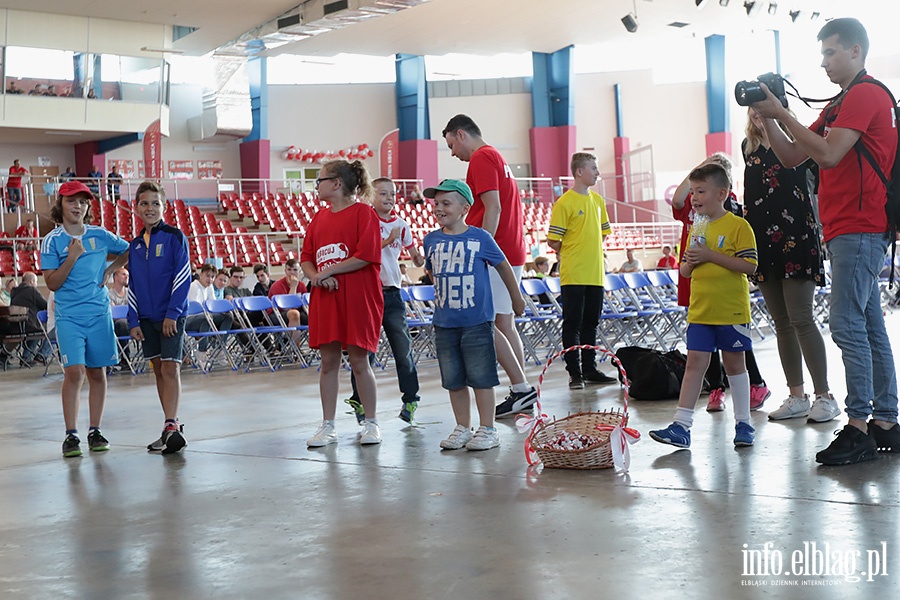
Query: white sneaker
[(793, 407), (824, 409), (370, 434), (485, 438), (457, 439), (323, 436)]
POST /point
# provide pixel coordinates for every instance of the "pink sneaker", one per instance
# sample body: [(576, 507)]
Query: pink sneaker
[(716, 400), (758, 396)]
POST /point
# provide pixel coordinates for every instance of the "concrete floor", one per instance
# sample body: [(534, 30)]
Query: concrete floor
[(248, 511)]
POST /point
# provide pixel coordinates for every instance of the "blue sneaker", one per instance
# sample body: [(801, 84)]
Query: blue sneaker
[(674, 435), (743, 434)]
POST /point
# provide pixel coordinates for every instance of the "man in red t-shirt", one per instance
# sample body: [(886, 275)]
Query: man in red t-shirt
[(28, 230), (14, 186), (497, 210), (855, 228), (291, 284)]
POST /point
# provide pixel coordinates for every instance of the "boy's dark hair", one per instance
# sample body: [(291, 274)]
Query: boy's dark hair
[(235, 269), (723, 160), (353, 176), (712, 173), (463, 122), (291, 262), (56, 210), (541, 260), (580, 159), (849, 31), (150, 186), (209, 268), (222, 272), (260, 267)]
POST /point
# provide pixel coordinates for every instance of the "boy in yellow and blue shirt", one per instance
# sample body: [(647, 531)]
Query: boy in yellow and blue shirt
[(717, 262)]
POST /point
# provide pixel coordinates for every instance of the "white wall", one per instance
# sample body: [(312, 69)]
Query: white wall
[(329, 118)]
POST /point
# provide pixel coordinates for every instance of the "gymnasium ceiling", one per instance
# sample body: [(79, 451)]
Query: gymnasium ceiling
[(443, 26)]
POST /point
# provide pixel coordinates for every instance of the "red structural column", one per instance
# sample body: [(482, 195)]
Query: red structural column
[(418, 159), (551, 152), (87, 154), (255, 163), (718, 142), (621, 147)]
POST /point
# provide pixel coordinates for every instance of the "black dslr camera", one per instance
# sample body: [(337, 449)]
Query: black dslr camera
[(748, 92)]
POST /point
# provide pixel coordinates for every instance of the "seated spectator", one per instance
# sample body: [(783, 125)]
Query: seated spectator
[(51, 91), (5, 292), (291, 284), (91, 94), (632, 265), (113, 181), (12, 88), (554, 270), (37, 90), (67, 176), (667, 261), (118, 296), (28, 230), (219, 284), (415, 196), (541, 267), (93, 182), (235, 287), (404, 276), (262, 280), (200, 291), (426, 279), (26, 294)]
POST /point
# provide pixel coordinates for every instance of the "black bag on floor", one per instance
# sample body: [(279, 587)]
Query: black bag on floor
[(654, 375)]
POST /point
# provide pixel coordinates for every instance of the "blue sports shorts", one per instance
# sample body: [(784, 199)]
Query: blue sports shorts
[(727, 338)]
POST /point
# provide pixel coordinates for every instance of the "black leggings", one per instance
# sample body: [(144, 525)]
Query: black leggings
[(715, 374)]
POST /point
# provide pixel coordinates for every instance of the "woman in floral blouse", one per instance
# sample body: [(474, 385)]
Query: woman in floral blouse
[(778, 206)]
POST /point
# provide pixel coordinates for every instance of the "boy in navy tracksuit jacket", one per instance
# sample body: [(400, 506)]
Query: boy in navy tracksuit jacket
[(159, 264)]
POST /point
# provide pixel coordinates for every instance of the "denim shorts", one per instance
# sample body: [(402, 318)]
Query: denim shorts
[(156, 345), (466, 356), (727, 338)]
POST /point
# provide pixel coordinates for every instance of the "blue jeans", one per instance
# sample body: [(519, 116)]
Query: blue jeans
[(466, 356), (397, 332), (857, 325)]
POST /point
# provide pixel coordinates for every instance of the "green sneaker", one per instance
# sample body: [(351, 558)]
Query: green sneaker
[(358, 409), (96, 441), (71, 446), (408, 412)]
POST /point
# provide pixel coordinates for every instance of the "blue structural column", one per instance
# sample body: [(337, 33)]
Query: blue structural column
[(717, 97), (552, 138), (256, 148), (417, 153)]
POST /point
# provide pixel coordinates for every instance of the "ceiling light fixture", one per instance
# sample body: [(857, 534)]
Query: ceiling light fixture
[(773, 8), (795, 14), (630, 20), (723, 2), (701, 4), (753, 8)]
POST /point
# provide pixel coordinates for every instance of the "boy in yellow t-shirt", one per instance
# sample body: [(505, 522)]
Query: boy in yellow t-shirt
[(578, 224), (718, 262)]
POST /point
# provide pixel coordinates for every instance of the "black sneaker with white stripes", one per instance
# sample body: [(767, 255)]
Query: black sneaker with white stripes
[(516, 402)]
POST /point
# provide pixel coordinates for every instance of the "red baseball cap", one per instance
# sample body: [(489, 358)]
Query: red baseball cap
[(70, 188)]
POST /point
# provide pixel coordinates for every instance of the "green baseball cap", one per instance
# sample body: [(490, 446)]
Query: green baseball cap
[(451, 185)]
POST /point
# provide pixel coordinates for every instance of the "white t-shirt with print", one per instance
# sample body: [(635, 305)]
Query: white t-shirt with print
[(390, 254)]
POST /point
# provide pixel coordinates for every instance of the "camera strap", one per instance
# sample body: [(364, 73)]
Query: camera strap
[(834, 99)]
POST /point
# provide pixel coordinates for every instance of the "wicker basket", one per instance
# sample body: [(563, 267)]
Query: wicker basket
[(598, 456), (595, 424)]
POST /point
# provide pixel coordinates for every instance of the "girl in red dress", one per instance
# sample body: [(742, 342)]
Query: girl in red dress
[(341, 257)]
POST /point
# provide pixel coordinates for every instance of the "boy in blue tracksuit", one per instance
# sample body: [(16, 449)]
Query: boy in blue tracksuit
[(159, 264)]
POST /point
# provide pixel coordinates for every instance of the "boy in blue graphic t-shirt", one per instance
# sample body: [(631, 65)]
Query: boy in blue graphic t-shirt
[(458, 257)]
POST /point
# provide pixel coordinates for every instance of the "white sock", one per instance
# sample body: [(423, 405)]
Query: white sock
[(520, 388), (329, 422), (373, 421), (740, 396), (684, 417)]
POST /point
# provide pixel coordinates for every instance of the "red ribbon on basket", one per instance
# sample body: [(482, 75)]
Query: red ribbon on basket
[(619, 438), (527, 423)]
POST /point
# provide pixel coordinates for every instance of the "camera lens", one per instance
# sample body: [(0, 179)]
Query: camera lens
[(748, 92)]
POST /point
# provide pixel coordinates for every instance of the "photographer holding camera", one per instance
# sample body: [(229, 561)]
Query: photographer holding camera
[(852, 211)]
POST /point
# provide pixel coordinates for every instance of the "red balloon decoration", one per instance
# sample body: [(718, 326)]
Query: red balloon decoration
[(359, 152)]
